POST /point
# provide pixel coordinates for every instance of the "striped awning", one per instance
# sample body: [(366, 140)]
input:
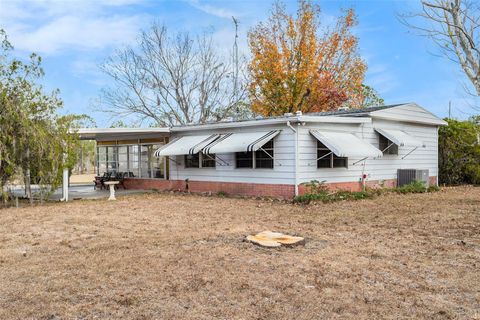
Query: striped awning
[(240, 142), (185, 145), (400, 138), (344, 144)]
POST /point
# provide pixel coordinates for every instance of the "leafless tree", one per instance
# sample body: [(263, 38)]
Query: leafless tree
[(171, 80), (454, 26)]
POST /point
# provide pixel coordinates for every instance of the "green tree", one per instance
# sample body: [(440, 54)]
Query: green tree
[(371, 98), (459, 152), (35, 142)]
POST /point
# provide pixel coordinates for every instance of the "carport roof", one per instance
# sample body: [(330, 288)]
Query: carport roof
[(106, 133)]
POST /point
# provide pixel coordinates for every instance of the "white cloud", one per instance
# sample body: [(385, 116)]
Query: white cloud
[(50, 27), (73, 32), (213, 10)]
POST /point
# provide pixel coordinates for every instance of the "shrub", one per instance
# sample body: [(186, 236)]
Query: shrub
[(316, 187), (325, 196), (459, 152), (333, 197), (414, 187)]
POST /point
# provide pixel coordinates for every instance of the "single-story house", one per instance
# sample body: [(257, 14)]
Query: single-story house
[(276, 156)]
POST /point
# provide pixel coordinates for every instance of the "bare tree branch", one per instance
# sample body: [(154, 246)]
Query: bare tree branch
[(172, 80), (453, 25)]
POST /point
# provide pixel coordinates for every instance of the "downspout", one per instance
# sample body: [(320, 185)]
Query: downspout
[(296, 156)]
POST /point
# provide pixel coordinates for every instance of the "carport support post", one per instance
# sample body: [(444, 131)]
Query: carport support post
[(65, 181), (65, 185)]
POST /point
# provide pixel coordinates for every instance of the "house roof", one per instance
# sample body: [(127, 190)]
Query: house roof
[(395, 112), (354, 112)]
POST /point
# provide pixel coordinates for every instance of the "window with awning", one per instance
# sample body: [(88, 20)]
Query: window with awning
[(400, 138), (186, 145), (260, 159), (327, 159), (387, 146), (346, 145)]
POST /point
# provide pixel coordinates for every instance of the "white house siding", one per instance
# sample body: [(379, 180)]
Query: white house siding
[(282, 173), (284, 165), (410, 112), (376, 169)]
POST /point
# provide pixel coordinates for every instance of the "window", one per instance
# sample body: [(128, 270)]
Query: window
[(323, 156), (192, 160), (264, 156), (328, 158), (260, 159), (244, 159), (208, 160), (200, 160), (384, 143)]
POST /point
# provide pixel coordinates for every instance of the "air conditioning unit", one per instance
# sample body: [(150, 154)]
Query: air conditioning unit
[(406, 176)]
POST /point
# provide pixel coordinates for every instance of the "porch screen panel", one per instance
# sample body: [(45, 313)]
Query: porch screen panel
[(122, 158), (137, 160), (133, 160), (112, 159), (145, 168), (101, 160)]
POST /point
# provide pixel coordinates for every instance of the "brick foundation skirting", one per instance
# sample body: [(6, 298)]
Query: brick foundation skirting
[(352, 186), (283, 191)]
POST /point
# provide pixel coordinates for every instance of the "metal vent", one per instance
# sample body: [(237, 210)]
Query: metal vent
[(406, 176)]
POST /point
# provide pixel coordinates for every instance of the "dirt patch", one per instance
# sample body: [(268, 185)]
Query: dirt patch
[(183, 257)]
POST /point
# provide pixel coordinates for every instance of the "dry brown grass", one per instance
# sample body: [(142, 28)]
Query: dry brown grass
[(163, 256)]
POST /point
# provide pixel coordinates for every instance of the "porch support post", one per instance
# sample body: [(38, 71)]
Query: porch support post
[(65, 180), (65, 185)]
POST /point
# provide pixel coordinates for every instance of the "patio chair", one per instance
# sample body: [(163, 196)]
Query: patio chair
[(100, 180), (120, 177), (97, 183)]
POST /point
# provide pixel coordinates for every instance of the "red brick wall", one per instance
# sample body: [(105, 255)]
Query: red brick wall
[(153, 184), (284, 191), (244, 189), (357, 186)]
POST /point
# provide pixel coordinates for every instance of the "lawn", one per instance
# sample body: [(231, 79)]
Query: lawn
[(172, 256)]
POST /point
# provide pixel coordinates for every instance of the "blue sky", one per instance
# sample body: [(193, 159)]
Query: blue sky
[(74, 37)]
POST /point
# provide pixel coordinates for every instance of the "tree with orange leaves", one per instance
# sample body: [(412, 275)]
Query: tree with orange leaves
[(295, 68)]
